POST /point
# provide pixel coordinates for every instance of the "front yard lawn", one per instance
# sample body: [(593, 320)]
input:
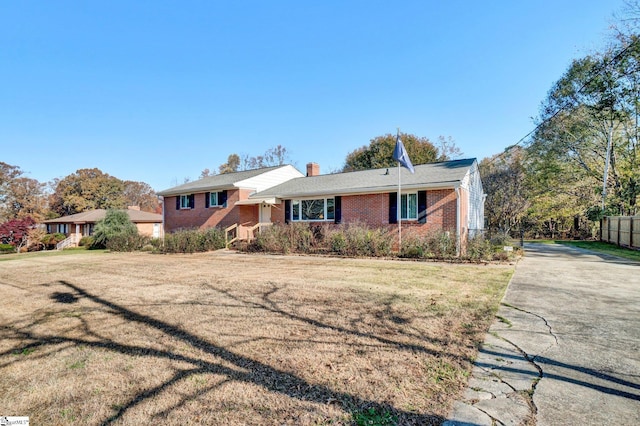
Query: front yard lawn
[(233, 339)]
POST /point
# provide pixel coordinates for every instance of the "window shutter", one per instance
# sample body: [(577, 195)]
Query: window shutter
[(177, 202), (337, 205), (207, 198), (393, 207), (222, 198), (192, 201), (422, 206), (287, 211)]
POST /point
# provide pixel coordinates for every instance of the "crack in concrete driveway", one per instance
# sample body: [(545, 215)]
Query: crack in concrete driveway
[(564, 349)]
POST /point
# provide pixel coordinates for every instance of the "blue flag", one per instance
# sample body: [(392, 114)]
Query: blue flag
[(400, 155)]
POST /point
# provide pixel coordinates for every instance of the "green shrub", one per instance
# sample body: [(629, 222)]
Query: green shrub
[(214, 239), (127, 242), (348, 240), (7, 248), (50, 240), (192, 241), (86, 241), (414, 247), (338, 243), (115, 225), (361, 240), (478, 248), (433, 245), (274, 239)]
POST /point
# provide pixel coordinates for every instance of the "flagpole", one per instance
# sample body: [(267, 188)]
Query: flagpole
[(401, 156), (399, 211)]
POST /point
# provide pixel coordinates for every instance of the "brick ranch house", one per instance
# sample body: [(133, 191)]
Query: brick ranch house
[(79, 225), (223, 200), (438, 196)]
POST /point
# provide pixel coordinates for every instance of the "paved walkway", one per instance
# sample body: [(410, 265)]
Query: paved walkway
[(565, 348)]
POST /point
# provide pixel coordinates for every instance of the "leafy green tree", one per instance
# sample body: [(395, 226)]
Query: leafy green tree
[(589, 127), (116, 224), (379, 152), (87, 189), (20, 196), (504, 182), (142, 195), (7, 175), (26, 197)]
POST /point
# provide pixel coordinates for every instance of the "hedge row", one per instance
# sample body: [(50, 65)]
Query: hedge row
[(360, 240), (192, 241)]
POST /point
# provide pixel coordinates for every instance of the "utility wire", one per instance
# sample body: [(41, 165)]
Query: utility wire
[(595, 71)]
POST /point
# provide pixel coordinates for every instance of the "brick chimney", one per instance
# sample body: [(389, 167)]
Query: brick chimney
[(313, 169)]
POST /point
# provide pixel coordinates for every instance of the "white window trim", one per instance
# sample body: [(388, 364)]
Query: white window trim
[(325, 214), (217, 205), (407, 206), (217, 199), (185, 197)]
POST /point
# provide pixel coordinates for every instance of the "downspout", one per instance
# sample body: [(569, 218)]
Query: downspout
[(458, 242), (162, 230)]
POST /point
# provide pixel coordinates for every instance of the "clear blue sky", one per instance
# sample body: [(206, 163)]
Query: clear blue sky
[(157, 91)]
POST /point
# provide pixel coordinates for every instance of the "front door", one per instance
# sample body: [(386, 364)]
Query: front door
[(265, 213)]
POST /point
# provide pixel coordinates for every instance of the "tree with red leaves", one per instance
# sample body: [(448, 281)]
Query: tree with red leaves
[(16, 231)]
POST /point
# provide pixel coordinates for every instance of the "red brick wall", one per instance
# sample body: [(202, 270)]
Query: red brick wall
[(203, 218), (373, 209), (277, 213)]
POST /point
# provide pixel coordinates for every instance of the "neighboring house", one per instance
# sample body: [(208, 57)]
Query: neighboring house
[(223, 200), (79, 225), (444, 196)]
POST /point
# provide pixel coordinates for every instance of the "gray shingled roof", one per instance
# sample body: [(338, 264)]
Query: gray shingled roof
[(93, 216), (432, 175), (212, 183)]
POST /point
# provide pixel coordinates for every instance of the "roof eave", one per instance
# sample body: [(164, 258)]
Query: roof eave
[(369, 190), (198, 190)]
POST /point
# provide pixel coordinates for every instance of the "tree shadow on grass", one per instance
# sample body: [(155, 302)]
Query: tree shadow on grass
[(268, 304), (233, 367)]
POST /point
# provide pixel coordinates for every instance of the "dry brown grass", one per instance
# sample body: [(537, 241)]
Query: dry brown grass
[(224, 338)]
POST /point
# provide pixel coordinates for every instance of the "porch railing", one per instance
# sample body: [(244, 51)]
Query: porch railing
[(230, 231), (71, 241), (259, 226), (238, 232)]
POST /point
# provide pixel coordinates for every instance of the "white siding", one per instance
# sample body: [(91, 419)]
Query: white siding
[(269, 179), (473, 184)]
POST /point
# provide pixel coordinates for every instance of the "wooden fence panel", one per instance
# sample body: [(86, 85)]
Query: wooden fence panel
[(624, 225), (621, 230)]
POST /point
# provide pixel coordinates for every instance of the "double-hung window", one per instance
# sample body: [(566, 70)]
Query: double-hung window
[(216, 199), (313, 210), (409, 206), (213, 199), (185, 202)]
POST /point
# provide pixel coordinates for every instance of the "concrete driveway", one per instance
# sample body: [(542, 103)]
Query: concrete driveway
[(565, 348)]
